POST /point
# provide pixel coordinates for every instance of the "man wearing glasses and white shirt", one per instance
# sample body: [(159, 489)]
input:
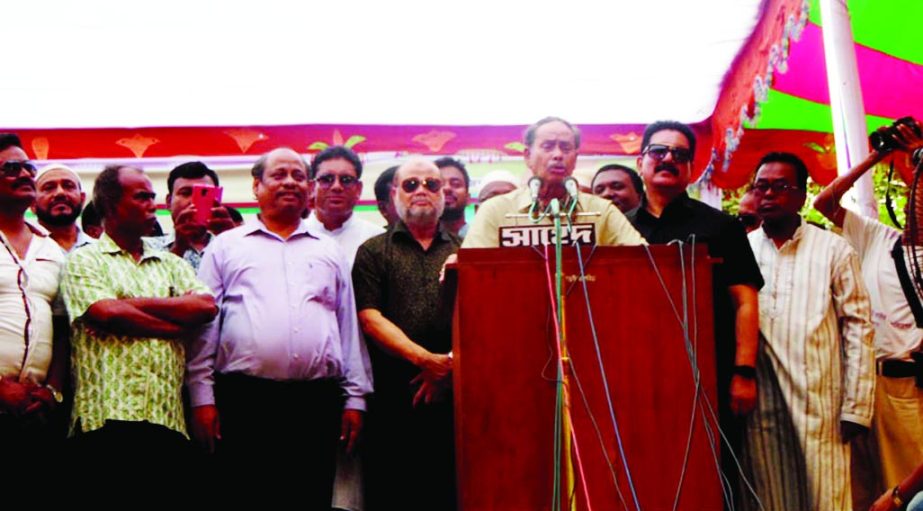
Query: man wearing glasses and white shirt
[(30, 271), (337, 187)]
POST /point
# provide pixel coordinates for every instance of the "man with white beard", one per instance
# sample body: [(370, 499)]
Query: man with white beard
[(396, 280)]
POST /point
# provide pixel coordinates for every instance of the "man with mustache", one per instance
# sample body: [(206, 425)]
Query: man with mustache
[(398, 297), (283, 366), (551, 155), (32, 365), (58, 203), (455, 177), (666, 214)]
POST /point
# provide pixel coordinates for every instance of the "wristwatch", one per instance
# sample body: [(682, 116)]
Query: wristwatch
[(748, 372), (896, 497), (58, 397)]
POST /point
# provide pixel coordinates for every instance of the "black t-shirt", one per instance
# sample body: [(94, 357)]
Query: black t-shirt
[(688, 220), (393, 274)]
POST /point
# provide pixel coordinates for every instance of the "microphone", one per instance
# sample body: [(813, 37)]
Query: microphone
[(535, 183), (570, 184)]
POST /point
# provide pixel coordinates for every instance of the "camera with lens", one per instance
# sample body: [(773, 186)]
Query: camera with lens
[(887, 138)]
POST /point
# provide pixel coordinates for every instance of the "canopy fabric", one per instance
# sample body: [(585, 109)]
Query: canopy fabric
[(795, 115)]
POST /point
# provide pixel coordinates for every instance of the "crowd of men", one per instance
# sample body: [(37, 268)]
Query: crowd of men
[(310, 337)]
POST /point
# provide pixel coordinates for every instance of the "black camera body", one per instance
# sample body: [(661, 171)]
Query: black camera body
[(886, 139)]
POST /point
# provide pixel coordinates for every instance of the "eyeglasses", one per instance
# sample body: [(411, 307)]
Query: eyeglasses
[(14, 168), (327, 180), (659, 152), (749, 220), (432, 184), (762, 187)]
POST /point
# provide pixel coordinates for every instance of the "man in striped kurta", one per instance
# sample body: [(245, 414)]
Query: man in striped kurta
[(816, 374)]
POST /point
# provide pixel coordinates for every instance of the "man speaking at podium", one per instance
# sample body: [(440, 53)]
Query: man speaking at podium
[(551, 154)]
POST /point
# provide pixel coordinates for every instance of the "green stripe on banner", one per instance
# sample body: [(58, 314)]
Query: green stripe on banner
[(889, 26), (786, 112)]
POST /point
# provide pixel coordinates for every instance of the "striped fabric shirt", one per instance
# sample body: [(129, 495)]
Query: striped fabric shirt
[(121, 377), (817, 338)]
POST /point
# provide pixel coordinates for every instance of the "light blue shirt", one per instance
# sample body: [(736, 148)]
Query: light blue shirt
[(287, 313)]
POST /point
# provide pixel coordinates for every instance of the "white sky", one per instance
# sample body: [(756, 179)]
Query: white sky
[(128, 63)]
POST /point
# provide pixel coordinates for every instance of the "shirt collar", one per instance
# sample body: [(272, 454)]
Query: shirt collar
[(257, 225), (150, 248), (314, 223), (441, 232), (680, 203), (37, 229), (523, 198)]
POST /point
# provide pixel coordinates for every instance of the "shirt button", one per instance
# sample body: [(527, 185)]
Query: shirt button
[(295, 356)]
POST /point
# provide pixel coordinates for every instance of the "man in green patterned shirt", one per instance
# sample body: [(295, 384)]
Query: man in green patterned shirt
[(131, 307)]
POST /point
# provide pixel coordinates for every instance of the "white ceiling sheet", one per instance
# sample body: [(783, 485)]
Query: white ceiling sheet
[(106, 63)]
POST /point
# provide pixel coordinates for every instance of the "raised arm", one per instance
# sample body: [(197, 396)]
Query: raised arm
[(828, 200)]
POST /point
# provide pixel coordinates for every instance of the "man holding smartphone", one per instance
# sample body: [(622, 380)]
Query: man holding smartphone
[(192, 230)]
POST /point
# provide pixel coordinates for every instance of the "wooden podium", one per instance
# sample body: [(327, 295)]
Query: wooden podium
[(505, 377)]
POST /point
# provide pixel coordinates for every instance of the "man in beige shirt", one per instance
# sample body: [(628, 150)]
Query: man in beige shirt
[(551, 154)]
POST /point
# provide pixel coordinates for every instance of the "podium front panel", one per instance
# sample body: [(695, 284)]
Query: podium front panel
[(505, 378)]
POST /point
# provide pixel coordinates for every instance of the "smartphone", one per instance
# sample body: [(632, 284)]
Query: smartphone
[(205, 197)]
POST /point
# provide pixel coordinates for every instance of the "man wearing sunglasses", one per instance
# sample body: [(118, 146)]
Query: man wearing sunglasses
[(32, 363), (337, 173), (551, 155), (666, 214), (816, 362), (398, 297)]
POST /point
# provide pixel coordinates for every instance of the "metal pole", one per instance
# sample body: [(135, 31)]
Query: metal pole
[(849, 129)]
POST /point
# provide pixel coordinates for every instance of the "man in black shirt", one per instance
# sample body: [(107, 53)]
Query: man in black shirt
[(396, 280), (667, 213)]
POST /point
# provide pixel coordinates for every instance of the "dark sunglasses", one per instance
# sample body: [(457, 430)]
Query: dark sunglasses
[(430, 183), (14, 168), (762, 187), (660, 151), (749, 221), (327, 180)]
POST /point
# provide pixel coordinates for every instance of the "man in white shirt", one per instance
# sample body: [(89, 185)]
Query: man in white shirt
[(895, 447), (816, 367), (337, 172), (30, 268)]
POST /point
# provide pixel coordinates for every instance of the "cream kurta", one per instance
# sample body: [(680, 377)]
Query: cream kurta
[(817, 335)]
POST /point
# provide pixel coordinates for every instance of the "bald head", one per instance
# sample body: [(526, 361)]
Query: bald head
[(282, 152), (418, 193), (413, 166)]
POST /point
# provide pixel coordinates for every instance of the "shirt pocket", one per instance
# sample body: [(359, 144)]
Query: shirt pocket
[(319, 280)]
